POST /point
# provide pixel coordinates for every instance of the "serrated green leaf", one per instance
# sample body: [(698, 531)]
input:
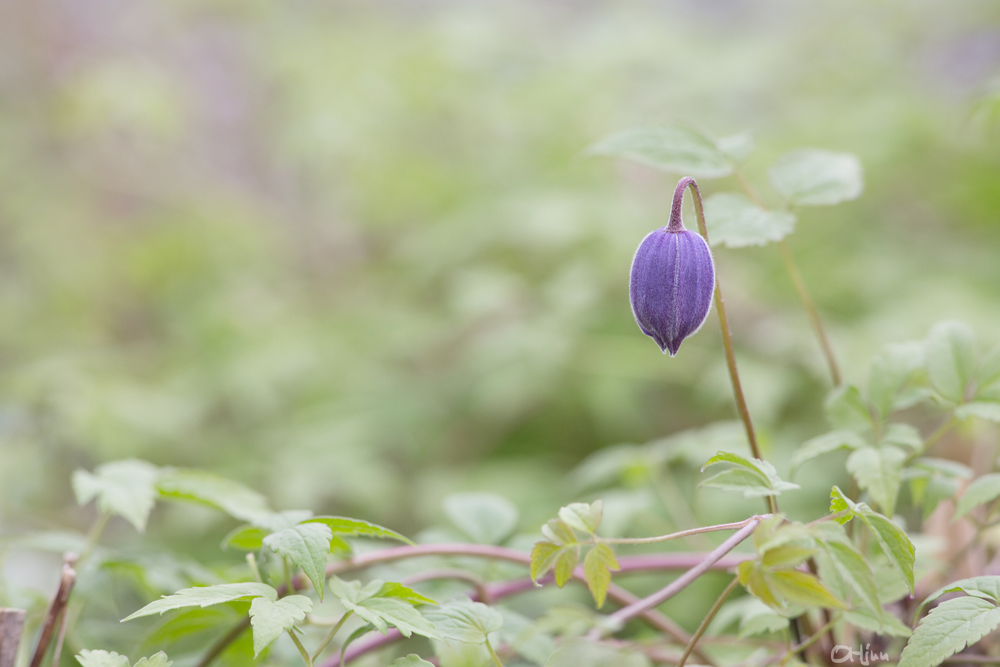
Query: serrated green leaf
[(811, 177), (206, 488), (271, 618), (565, 564), (877, 471), (669, 148), (846, 410), (307, 546), (558, 532), (839, 503), (986, 586), (126, 488), (753, 477), (487, 518), (597, 568), (101, 659), (204, 596), (988, 410), (983, 490), (854, 572), (886, 624), (347, 527), (736, 222), (585, 517), (412, 660), (824, 444), (789, 555), (948, 629), (465, 621), (894, 542), (751, 575), (384, 604), (158, 659), (543, 558), (245, 537), (891, 369), (803, 589), (950, 353)]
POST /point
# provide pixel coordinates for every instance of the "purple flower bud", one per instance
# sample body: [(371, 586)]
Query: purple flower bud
[(672, 282)]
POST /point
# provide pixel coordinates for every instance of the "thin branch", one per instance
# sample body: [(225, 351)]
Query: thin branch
[(708, 619), (621, 616), (224, 641), (674, 536), (727, 337), (11, 629), (56, 609)]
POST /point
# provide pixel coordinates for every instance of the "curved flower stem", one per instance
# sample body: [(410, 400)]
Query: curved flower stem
[(727, 337), (708, 619), (800, 288)]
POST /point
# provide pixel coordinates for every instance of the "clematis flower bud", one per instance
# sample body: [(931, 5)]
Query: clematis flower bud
[(672, 282)]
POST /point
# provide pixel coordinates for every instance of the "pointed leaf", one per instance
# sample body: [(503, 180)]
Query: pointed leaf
[(813, 177), (597, 567), (245, 537), (823, 444), (894, 543), (846, 410), (565, 564), (877, 471), (736, 222), (891, 369), (307, 546), (204, 596), (412, 660), (271, 618), (585, 517), (988, 410), (948, 629), (206, 488), (101, 659), (158, 659), (126, 488), (804, 589), (950, 352), (384, 604), (986, 587), (983, 490), (669, 148), (347, 527), (465, 621)]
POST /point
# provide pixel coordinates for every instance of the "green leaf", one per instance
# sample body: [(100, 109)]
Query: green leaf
[(854, 571), (736, 222), (465, 621), (804, 589), (983, 490), (245, 537), (270, 618), (669, 148), (948, 629), (950, 352), (824, 444), (845, 409), (986, 587), (988, 371), (384, 605), (579, 652), (559, 532), (487, 518), (789, 555), (585, 517), (101, 659), (347, 527), (307, 546), (988, 410), (158, 659), (126, 488), (903, 435), (812, 177), (753, 577), (877, 471), (839, 502), (895, 544), (891, 370), (203, 487), (753, 477), (412, 660), (204, 596), (597, 567)]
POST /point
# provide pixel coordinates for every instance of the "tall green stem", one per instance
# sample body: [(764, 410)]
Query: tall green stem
[(708, 619), (727, 338), (800, 288), (493, 654), (330, 635), (302, 649)]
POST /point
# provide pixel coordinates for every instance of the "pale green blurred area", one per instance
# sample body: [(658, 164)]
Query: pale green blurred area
[(351, 255)]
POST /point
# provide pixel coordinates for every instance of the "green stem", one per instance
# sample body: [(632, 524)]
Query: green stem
[(940, 433), (798, 648), (493, 654), (727, 338), (674, 536), (800, 288), (93, 537), (302, 649), (330, 635), (705, 621), (252, 562)]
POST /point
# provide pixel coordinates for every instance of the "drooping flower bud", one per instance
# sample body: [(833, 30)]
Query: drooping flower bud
[(672, 281)]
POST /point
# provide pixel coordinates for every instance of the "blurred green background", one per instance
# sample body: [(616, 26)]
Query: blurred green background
[(350, 254)]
